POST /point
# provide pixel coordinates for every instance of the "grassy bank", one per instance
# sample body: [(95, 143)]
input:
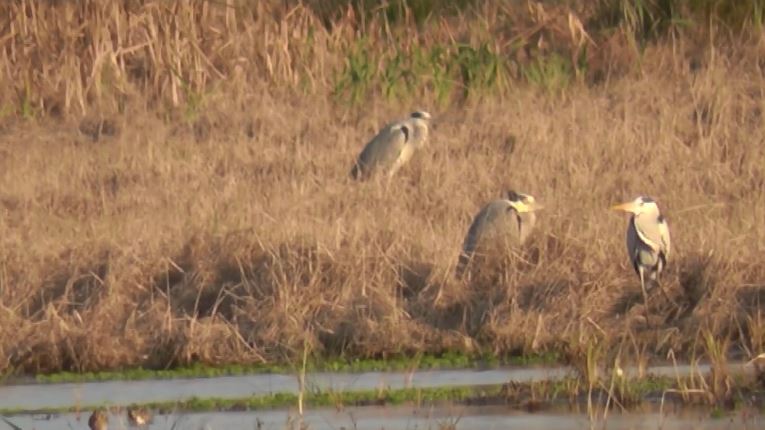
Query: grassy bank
[(617, 393), (281, 400), (420, 362), (174, 181)]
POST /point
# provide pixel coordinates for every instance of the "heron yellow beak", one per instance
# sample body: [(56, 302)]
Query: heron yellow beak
[(528, 206), (625, 207)]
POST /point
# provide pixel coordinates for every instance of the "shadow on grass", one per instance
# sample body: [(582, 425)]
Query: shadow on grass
[(72, 289)]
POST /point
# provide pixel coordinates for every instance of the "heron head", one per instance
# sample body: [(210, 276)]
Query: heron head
[(640, 205), (420, 114), (421, 123), (522, 202)]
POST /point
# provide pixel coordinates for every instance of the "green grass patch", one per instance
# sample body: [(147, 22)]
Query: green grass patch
[(448, 360), (442, 69), (311, 399), (500, 393), (553, 73)]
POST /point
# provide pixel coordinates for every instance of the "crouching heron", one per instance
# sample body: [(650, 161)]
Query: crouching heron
[(647, 241), (507, 221), (393, 146)]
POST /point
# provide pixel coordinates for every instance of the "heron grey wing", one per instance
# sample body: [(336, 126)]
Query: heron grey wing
[(492, 217), (475, 231), (664, 238), (472, 238), (382, 151), (384, 148), (632, 244), (489, 221)]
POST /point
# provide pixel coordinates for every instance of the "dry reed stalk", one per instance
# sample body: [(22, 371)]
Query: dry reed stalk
[(228, 230)]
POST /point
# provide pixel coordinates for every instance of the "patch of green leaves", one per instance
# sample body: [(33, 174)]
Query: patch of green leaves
[(356, 78), (480, 67), (438, 69), (552, 73)]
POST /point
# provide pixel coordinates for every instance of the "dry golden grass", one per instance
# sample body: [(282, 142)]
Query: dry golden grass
[(235, 234)]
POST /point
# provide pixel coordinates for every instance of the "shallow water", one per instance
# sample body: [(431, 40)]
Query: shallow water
[(395, 418), (41, 396)]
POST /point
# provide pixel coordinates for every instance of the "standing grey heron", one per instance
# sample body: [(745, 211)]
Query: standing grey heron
[(393, 146), (647, 240), (505, 222)]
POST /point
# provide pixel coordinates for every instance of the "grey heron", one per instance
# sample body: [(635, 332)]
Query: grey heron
[(393, 146), (507, 221), (648, 241)]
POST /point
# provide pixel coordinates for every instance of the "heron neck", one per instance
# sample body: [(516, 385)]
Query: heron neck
[(420, 132), (526, 221)]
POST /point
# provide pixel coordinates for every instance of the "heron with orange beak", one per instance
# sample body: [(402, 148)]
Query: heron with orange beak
[(647, 241)]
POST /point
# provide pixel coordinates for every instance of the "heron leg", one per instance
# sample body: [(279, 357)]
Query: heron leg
[(641, 271), (462, 265), (394, 168)]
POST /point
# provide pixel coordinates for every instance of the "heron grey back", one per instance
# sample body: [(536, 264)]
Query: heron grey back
[(388, 150), (496, 226), (382, 151)]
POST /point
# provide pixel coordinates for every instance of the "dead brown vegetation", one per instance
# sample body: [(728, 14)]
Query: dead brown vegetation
[(143, 236)]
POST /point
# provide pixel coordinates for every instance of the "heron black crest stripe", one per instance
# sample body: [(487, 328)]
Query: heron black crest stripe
[(405, 130), (648, 199), (512, 196), (418, 114)]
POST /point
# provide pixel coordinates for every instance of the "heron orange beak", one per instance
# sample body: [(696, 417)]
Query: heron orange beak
[(625, 207)]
